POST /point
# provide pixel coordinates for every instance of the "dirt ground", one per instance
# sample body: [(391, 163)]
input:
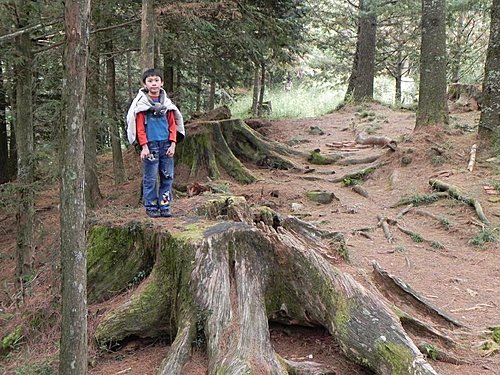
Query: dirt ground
[(446, 269)]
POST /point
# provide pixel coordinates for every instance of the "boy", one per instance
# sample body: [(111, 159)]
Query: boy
[(156, 125)]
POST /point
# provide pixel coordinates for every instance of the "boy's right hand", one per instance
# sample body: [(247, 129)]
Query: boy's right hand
[(144, 152)]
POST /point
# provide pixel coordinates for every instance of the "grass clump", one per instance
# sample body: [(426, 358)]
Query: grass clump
[(486, 235)]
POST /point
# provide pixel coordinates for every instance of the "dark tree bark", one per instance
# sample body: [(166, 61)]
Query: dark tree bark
[(489, 123), (255, 96), (148, 26), (363, 69), (211, 95), (432, 102), (92, 191), (168, 71), (4, 141), (118, 167), (262, 89), (73, 349), (24, 145)]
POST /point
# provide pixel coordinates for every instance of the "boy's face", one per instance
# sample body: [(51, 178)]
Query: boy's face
[(153, 84)]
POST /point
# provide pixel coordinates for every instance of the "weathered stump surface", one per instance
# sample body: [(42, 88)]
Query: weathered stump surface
[(219, 282)]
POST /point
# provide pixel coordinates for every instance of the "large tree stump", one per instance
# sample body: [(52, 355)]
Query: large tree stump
[(219, 282), (213, 147)]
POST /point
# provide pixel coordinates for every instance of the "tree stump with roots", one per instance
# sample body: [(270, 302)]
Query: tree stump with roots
[(216, 147), (219, 282)]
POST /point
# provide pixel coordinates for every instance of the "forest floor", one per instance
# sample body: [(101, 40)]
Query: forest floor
[(461, 277)]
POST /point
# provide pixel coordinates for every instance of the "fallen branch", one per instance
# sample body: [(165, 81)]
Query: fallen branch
[(360, 190), (369, 159), (454, 192), (377, 141), (382, 222), (472, 158)]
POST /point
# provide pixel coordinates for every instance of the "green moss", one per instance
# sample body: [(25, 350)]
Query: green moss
[(431, 351), (316, 158), (398, 357), (115, 257)]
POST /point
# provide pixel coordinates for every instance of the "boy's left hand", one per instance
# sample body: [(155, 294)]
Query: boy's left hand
[(171, 150)]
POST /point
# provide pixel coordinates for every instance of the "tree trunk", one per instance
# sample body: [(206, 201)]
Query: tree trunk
[(432, 102), (261, 89), (489, 123), (199, 83), (73, 352), (220, 282), (216, 146), (25, 146), (92, 192), (4, 141), (255, 96), (211, 95), (398, 76), (363, 71), (118, 167), (130, 89), (148, 26), (168, 71)]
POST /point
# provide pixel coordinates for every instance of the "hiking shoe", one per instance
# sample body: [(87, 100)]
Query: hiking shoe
[(153, 213), (165, 213)]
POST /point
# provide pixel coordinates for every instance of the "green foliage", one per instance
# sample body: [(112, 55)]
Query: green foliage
[(301, 101), (13, 340), (419, 199), (348, 181), (437, 245), (415, 237), (486, 235), (431, 351)]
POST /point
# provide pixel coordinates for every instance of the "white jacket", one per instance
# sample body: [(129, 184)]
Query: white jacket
[(142, 103)]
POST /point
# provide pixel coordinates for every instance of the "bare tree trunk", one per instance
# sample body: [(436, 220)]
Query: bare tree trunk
[(255, 96), (262, 89), (432, 100), (4, 141), (148, 26), (489, 123), (92, 192), (25, 146), (118, 167), (168, 71), (73, 352), (211, 95), (199, 82), (130, 90), (363, 72), (399, 75)]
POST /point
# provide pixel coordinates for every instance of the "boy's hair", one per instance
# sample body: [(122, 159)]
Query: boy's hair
[(151, 73)]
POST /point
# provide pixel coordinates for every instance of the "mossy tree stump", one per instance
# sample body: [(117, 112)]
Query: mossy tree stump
[(219, 282), (213, 147)]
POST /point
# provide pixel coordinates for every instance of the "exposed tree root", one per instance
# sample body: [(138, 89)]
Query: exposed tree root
[(425, 199), (361, 174), (352, 161), (214, 147), (382, 222), (439, 354), (454, 192), (228, 278), (403, 290)]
